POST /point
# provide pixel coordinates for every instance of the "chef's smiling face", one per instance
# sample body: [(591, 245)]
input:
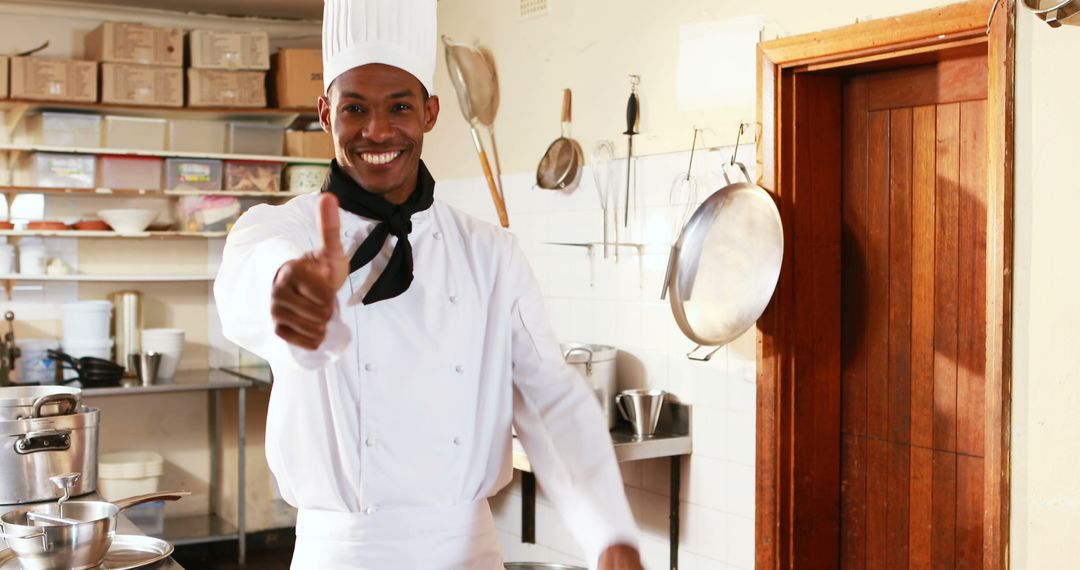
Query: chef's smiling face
[(377, 115)]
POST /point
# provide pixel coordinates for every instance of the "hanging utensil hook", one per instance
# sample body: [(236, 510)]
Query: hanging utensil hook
[(738, 137), (693, 146)]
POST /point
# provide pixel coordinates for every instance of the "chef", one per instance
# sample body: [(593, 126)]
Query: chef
[(406, 338)]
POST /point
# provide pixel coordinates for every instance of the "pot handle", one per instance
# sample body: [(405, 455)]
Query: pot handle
[(71, 399), (150, 498), (588, 363), (619, 398)]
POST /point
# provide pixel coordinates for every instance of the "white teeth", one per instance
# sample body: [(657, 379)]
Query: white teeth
[(379, 158)]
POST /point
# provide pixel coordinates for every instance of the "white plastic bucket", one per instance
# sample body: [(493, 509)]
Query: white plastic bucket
[(168, 342), (86, 321)]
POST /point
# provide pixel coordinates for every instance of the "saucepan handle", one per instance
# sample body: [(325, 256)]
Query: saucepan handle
[(588, 361), (150, 498)]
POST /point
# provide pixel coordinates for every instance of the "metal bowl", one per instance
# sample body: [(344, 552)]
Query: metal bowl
[(541, 566)]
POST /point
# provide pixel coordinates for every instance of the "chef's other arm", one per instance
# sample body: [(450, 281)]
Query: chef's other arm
[(564, 432), (273, 289)]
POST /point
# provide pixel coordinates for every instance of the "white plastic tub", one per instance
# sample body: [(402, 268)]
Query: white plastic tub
[(57, 170), (130, 172), (64, 129), (34, 364), (129, 473), (86, 322), (197, 136), (135, 133)]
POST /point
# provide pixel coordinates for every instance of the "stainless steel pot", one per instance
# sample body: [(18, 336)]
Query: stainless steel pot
[(79, 544), (18, 402), (33, 449), (596, 364)]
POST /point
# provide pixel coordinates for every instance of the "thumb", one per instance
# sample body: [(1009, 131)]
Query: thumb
[(330, 226)]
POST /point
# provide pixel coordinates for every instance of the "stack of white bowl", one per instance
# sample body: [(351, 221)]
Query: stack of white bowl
[(86, 330), (129, 473), (168, 342)]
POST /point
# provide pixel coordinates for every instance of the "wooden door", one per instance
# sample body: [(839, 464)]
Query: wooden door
[(913, 317)]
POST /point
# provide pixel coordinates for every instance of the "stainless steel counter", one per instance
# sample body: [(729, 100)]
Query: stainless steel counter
[(123, 526)]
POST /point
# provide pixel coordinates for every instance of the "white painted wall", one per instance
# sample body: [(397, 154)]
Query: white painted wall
[(1046, 307)]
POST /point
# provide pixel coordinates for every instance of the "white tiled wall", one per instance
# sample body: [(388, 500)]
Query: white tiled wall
[(621, 307)]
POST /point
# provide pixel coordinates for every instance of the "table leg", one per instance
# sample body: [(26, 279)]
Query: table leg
[(241, 487), (676, 466), (528, 507)]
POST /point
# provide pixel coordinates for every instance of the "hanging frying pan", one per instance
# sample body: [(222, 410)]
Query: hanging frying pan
[(726, 263)]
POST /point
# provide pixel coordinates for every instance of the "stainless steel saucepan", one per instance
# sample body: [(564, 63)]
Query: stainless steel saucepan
[(73, 535)]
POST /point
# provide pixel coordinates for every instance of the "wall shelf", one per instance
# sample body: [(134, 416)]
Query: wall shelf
[(21, 148), (100, 234), (138, 192), (82, 277), (282, 117)]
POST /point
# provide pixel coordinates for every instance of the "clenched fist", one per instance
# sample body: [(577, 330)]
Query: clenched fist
[(302, 298)]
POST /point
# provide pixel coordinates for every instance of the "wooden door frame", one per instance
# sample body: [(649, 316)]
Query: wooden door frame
[(785, 517)]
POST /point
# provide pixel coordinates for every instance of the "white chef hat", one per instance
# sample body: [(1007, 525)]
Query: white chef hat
[(400, 33)]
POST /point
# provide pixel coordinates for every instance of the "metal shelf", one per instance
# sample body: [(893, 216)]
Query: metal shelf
[(197, 529), (184, 381), (138, 192), (19, 148)]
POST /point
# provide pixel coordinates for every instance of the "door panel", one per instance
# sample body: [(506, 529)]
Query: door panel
[(913, 317)]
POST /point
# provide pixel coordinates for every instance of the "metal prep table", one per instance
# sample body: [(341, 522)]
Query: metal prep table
[(200, 529), (123, 526), (672, 440)]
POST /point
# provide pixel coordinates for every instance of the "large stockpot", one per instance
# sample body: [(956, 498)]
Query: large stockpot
[(18, 402), (596, 363), (33, 449)]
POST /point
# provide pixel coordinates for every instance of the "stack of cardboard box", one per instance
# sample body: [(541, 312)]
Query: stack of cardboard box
[(140, 65), (228, 69)]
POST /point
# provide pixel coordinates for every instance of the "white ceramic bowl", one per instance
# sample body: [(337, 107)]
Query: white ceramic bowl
[(128, 220)]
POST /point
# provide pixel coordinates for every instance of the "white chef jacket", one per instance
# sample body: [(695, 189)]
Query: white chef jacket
[(391, 436)]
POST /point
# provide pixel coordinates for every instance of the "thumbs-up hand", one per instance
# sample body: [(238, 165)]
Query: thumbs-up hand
[(304, 290)]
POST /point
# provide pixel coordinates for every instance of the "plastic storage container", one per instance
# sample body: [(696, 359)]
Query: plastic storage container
[(130, 473), (32, 257), (208, 213), (193, 174), (135, 133), (57, 170), (255, 138), (35, 366), (252, 176), (7, 259), (196, 136), (64, 129), (86, 322), (305, 177), (138, 172)]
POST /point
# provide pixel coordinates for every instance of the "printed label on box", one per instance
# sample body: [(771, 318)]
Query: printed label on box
[(65, 166), (194, 172)]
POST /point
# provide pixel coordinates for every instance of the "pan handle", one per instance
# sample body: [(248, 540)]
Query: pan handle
[(566, 114), (150, 498)]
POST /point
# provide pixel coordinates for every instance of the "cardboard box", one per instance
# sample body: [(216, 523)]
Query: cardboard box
[(121, 42), (309, 144), (54, 79), (212, 49), (142, 85), (4, 63), (298, 78), (210, 88)]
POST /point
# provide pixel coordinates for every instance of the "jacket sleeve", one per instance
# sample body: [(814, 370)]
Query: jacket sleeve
[(562, 427), (262, 240)]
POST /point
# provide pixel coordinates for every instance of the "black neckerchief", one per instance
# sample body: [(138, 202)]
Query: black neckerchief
[(393, 220)]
